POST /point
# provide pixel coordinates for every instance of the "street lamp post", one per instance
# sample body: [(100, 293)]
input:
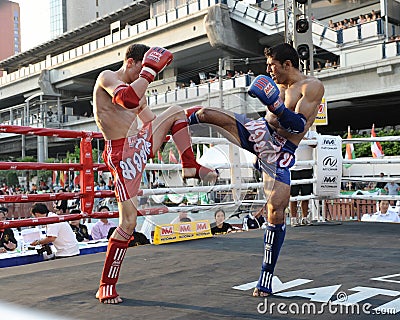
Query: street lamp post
[(221, 62)]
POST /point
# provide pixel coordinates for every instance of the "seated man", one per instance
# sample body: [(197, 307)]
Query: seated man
[(253, 222), (385, 214), (183, 216), (80, 230), (101, 227), (60, 234), (7, 239)]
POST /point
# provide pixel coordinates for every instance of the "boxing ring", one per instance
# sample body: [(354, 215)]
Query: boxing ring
[(322, 199)]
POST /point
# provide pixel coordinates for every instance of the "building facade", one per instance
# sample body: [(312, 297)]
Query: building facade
[(10, 31), (68, 15)]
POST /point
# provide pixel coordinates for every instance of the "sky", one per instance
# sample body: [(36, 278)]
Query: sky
[(35, 22)]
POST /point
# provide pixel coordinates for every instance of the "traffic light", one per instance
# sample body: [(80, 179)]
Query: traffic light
[(303, 50), (302, 25)]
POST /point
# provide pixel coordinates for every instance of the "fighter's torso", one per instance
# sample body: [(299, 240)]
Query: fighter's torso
[(114, 121), (290, 95)]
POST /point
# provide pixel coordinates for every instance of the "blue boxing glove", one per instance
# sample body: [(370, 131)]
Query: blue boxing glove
[(265, 89)]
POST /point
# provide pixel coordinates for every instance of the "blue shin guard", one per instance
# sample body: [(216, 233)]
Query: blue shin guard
[(273, 240)]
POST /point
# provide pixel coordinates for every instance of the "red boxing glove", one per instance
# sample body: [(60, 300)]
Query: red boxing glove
[(154, 61), (125, 96)]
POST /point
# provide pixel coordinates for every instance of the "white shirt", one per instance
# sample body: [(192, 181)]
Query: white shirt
[(65, 243), (389, 216)]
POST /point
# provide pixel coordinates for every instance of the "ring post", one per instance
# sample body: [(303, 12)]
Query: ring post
[(87, 176)]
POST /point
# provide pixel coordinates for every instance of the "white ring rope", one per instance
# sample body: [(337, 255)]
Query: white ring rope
[(372, 161), (371, 139), (179, 190), (369, 196)]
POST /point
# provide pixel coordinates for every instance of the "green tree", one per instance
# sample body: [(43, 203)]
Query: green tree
[(364, 149), (12, 178)]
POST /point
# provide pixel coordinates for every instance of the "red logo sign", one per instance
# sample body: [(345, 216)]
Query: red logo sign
[(201, 226), (167, 230), (185, 228)]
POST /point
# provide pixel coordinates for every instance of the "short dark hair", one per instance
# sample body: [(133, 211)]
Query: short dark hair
[(104, 207), (283, 52), (3, 209), (39, 208), (136, 51), (219, 210)]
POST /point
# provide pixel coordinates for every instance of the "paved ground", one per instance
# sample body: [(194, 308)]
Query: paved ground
[(194, 279)]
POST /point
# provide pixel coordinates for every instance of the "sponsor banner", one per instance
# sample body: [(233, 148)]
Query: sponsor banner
[(322, 115), (329, 166), (168, 233)]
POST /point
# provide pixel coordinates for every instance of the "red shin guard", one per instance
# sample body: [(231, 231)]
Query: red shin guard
[(180, 134), (115, 255)]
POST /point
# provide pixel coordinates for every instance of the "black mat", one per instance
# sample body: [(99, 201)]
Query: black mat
[(194, 279)]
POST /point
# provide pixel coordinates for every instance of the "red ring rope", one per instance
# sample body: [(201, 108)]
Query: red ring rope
[(75, 216)]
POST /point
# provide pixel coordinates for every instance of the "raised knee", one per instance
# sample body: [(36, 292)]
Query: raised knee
[(176, 109)]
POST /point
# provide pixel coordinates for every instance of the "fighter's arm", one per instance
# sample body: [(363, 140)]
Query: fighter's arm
[(127, 96), (144, 112), (312, 93)]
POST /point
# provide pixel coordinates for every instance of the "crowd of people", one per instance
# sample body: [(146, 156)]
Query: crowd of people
[(354, 21)]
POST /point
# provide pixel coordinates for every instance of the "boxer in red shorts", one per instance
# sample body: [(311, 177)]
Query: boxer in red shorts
[(118, 100)]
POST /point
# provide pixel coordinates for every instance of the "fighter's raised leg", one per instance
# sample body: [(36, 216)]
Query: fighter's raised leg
[(223, 121), (174, 120)]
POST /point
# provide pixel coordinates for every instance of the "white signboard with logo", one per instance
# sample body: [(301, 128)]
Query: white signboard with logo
[(329, 166)]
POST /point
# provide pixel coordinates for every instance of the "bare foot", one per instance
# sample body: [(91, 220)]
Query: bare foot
[(259, 293), (205, 174), (115, 300)]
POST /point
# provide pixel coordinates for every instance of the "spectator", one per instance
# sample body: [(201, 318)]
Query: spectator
[(137, 238), (191, 83), (275, 9), (61, 206), (328, 63), (101, 227), (7, 239), (220, 226), (361, 19), (383, 215), (80, 230), (392, 188), (60, 234), (252, 222), (381, 184), (319, 66), (183, 216)]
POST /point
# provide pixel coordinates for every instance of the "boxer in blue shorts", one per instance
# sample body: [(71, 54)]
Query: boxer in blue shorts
[(291, 100)]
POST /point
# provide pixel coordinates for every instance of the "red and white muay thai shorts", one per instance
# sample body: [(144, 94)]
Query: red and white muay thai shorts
[(126, 159)]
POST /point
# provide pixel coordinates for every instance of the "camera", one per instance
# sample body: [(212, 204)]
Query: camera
[(46, 251)]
